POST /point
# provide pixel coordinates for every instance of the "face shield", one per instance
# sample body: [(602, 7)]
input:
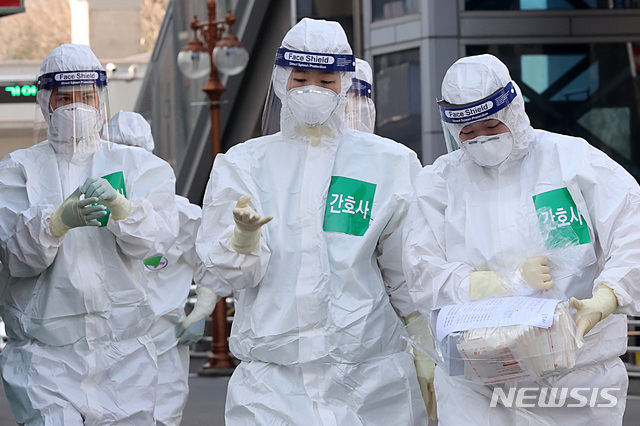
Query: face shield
[(75, 106), (313, 86), (361, 111), (455, 117)]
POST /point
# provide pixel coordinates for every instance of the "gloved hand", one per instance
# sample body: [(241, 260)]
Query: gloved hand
[(74, 212), (595, 309), (536, 273), (100, 188), (192, 334), (246, 235), (205, 303), (425, 369), (484, 284)]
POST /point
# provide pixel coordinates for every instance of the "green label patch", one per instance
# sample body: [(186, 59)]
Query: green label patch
[(117, 182), (349, 204), (560, 221)]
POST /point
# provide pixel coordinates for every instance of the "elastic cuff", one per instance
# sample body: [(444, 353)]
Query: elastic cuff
[(607, 298), (484, 284), (244, 242), (120, 208), (57, 228)]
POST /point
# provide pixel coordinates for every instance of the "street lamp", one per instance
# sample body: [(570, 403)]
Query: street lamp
[(211, 51)]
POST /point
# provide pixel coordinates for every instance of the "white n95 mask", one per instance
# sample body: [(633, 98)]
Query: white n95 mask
[(489, 151), (312, 105), (75, 121)]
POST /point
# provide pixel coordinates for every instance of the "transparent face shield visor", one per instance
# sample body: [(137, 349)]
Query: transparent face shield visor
[(361, 111), (285, 61), (271, 112), (455, 117), (75, 106)]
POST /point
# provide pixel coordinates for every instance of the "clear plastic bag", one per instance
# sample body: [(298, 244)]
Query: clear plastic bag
[(503, 351)]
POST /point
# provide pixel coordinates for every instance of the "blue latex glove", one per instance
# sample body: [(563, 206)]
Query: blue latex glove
[(191, 334)]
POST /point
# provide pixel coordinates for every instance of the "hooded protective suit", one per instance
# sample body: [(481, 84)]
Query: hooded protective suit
[(470, 218), (314, 327), (170, 276), (76, 306)]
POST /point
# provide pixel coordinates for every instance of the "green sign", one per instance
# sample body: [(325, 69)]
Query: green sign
[(117, 182), (560, 221), (349, 204), (16, 93)]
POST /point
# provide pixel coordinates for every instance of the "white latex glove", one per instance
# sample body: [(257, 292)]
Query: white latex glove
[(74, 212), (100, 188), (246, 235), (425, 369), (536, 273), (595, 309), (483, 284), (205, 304)]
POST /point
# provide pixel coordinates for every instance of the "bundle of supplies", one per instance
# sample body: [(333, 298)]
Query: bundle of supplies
[(505, 339)]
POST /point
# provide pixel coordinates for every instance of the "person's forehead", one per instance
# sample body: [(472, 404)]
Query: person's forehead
[(483, 123), (74, 90), (310, 71)]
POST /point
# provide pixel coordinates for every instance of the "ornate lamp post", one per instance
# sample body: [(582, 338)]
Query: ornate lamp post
[(211, 51)]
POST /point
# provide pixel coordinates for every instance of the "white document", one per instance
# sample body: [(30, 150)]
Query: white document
[(496, 312)]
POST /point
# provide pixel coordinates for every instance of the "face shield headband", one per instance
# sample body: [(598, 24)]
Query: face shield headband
[(477, 110), (72, 78), (360, 88), (316, 61)]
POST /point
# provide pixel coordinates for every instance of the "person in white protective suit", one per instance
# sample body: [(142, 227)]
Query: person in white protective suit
[(305, 224), (469, 230), (76, 305), (170, 276), (361, 111)]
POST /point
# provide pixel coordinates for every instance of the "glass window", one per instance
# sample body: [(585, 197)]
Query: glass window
[(397, 96), (549, 4), (587, 90), (386, 9)]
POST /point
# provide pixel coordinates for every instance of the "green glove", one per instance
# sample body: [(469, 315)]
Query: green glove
[(593, 310), (192, 333), (101, 189), (74, 213)]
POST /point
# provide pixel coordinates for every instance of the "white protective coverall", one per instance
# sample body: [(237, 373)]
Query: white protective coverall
[(314, 326), (468, 218), (170, 276), (76, 307), (169, 284)]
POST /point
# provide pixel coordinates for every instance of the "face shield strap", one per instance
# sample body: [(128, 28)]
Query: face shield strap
[(360, 88), (477, 110), (316, 61), (72, 78)]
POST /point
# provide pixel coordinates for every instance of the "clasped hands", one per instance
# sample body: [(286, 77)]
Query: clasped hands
[(75, 212)]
